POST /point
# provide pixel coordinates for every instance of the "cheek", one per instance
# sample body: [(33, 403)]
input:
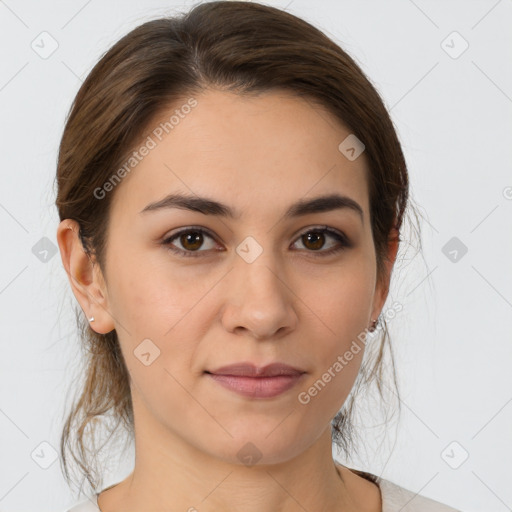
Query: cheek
[(159, 343), (147, 299), (340, 309), (172, 309), (342, 300)]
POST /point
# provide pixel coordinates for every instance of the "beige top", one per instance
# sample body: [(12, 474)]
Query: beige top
[(394, 499)]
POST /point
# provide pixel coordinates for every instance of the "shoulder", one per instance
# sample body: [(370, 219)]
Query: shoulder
[(396, 498), (87, 505)]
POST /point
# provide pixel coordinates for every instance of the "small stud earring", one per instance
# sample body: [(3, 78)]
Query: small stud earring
[(91, 319), (373, 325)]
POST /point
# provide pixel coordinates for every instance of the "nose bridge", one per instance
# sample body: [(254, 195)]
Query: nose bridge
[(259, 300), (258, 268)]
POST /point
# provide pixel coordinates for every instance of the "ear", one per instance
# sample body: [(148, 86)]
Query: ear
[(85, 277), (382, 287)]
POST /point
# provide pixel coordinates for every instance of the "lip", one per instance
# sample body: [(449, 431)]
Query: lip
[(252, 381), (250, 370)]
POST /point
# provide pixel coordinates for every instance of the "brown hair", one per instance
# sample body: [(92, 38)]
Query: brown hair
[(236, 46)]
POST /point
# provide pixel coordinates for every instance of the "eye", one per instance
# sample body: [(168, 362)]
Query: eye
[(192, 238), (314, 239)]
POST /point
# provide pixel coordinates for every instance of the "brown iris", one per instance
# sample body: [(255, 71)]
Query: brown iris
[(316, 238), (191, 240)]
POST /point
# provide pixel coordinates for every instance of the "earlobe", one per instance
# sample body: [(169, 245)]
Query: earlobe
[(84, 276)]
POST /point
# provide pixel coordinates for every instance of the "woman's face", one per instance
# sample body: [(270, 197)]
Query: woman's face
[(262, 286)]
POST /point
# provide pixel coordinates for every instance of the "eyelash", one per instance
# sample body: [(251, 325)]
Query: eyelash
[(345, 243)]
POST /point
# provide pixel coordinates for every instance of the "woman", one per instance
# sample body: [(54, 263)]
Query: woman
[(231, 192)]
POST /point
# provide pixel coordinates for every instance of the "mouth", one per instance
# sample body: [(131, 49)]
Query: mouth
[(251, 381)]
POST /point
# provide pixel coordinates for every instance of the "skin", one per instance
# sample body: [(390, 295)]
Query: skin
[(293, 305)]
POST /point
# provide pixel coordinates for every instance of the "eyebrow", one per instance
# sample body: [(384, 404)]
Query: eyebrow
[(208, 206)]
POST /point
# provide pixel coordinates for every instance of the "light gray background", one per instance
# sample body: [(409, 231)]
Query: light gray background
[(453, 338)]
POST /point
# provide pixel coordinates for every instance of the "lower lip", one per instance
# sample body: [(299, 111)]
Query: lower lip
[(257, 387)]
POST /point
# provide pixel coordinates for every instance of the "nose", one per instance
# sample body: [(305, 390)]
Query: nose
[(259, 301)]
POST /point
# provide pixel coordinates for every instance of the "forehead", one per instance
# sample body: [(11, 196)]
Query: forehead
[(253, 152)]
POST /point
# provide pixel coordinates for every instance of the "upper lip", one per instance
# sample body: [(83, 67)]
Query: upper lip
[(251, 370)]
